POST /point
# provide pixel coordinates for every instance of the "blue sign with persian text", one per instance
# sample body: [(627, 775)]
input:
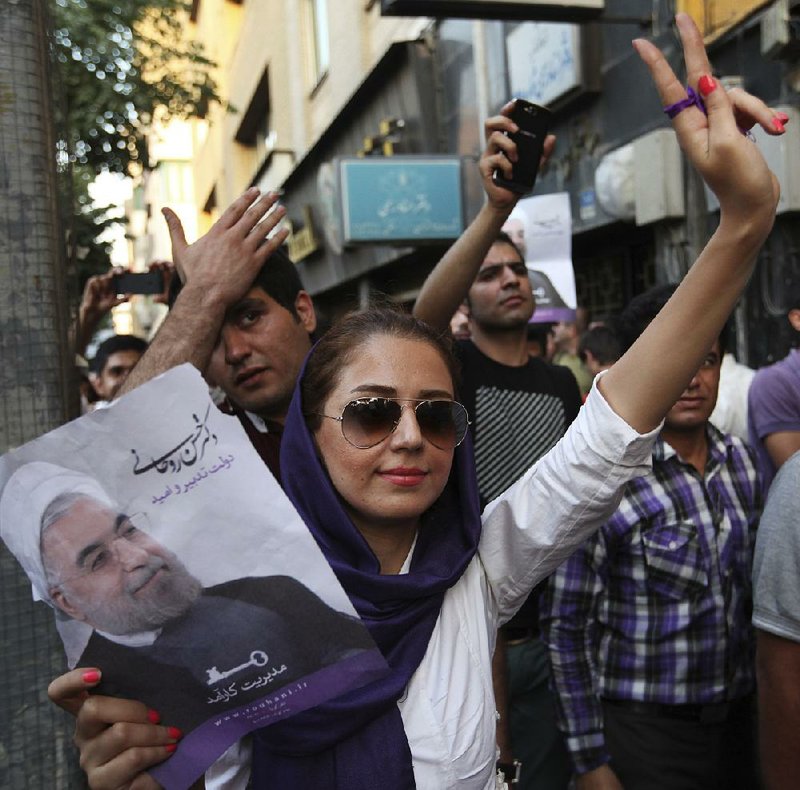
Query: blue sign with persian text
[(401, 199)]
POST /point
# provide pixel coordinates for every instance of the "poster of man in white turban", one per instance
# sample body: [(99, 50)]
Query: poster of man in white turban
[(175, 563)]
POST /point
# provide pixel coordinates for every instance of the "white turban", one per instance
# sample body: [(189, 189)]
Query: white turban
[(522, 216), (25, 497)]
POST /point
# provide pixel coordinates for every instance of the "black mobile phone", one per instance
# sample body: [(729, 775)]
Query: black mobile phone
[(139, 282), (533, 122)]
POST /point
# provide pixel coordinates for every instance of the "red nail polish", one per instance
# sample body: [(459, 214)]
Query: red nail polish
[(174, 733), (706, 84), (782, 117), (153, 716), (92, 676), (776, 122), (170, 747)]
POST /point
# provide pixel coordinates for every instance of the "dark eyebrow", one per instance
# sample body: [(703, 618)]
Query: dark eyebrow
[(493, 267), (375, 389), (243, 306), (119, 521), (382, 391)]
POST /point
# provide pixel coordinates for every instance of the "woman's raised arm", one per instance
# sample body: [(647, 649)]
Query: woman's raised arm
[(643, 385)]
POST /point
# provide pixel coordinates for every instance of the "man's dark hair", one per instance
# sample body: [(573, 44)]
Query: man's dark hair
[(278, 278), (602, 343), (503, 238), (111, 346), (642, 309)]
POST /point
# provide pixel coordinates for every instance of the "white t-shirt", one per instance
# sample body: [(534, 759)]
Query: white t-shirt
[(448, 709)]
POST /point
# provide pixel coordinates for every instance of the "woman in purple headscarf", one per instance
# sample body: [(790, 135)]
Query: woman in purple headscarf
[(377, 460)]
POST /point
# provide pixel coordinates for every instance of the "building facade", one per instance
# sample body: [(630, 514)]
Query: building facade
[(313, 85)]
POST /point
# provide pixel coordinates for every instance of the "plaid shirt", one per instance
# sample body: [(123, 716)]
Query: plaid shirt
[(656, 606)]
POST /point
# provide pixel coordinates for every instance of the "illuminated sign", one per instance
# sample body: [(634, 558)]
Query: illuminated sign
[(531, 10), (302, 241), (401, 199)]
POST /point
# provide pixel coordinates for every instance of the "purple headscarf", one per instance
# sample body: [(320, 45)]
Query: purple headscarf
[(357, 740)]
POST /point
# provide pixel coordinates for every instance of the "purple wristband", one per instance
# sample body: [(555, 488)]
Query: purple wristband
[(692, 98)]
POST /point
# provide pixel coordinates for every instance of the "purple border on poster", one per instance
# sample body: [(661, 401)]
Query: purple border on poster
[(552, 315), (204, 744)]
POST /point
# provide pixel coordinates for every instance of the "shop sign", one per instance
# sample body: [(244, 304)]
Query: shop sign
[(304, 241), (401, 199)]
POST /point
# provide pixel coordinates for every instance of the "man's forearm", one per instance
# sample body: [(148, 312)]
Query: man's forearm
[(778, 665), (188, 334), (447, 285), (83, 329)]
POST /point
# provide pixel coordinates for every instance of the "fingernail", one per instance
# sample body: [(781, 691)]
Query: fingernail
[(776, 122), (174, 733), (92, 676), (782, 116), (153, 716), (170, 747), (706, 84)]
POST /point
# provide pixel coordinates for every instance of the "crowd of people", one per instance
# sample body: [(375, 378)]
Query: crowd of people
[(600, 521)]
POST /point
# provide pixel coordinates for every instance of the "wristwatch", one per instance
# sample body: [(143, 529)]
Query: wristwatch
[(510, 771)]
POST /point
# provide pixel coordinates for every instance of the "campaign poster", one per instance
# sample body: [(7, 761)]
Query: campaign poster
[(541, 226), (174, 562)]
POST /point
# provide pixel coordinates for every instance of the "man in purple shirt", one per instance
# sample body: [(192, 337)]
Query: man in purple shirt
[(774, 404), (648, 623)]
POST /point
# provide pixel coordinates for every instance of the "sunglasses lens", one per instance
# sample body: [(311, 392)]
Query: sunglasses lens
[(369, 421), (442, 422)]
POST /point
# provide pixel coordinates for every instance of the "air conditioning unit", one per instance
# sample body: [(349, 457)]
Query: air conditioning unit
[(658, 177), (783, 157), (779, 30)]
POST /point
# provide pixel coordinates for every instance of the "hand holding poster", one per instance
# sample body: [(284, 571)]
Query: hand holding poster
[(176, 564)]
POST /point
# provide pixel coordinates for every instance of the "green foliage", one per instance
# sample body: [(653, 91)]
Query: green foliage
[(85, 224), (121, 62)]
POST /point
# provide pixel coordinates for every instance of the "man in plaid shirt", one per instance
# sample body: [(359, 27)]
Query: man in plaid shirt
[(648, 624)]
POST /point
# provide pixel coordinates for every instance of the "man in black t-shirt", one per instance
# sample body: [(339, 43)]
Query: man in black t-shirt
[(520, 406), (517, 413)]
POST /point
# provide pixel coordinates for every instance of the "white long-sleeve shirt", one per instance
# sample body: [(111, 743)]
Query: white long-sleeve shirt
[(448, 709)]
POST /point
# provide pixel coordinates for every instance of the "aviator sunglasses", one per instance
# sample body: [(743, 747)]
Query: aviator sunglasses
[(368, 421)]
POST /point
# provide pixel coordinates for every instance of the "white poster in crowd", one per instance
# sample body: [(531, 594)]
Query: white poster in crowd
[(541, 226), (174, 562)]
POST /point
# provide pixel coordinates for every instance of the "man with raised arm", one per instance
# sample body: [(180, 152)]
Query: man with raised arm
[(519, 407)]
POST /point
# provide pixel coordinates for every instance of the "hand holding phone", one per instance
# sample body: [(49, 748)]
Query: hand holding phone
[(533, 122), (138, 282)]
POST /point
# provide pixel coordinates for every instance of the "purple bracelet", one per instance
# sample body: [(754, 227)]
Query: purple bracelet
[(692, 98)]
